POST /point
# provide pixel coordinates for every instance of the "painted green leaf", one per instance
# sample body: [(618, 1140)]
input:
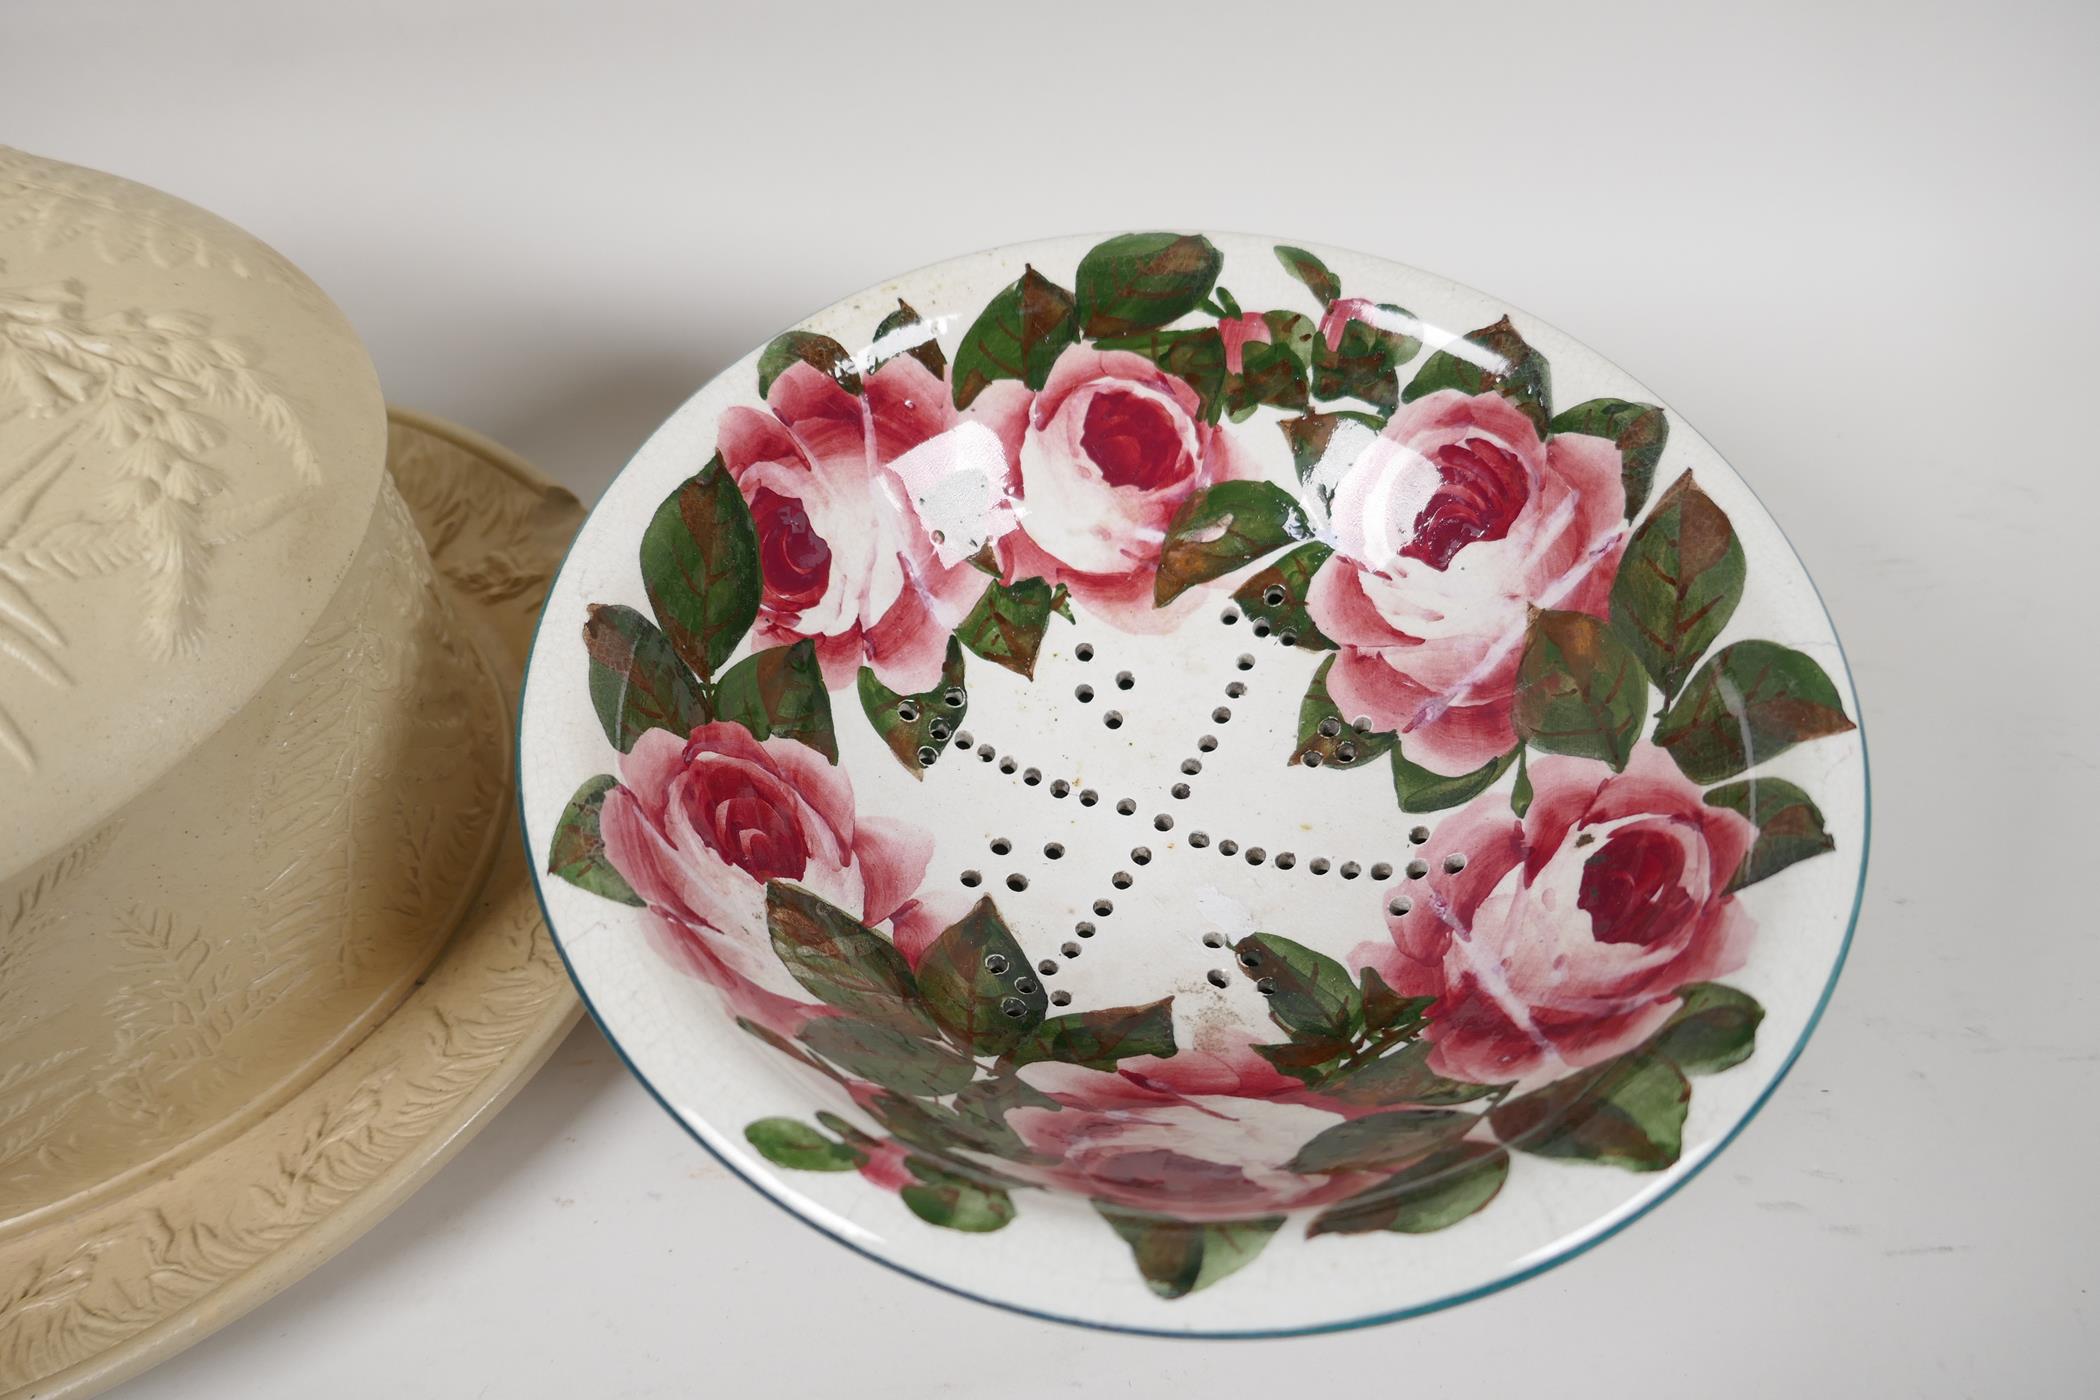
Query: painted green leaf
[(980, 1111), (888, 1057), (1271, 373), (786, 1142), (1276, 596), (699, 559), (978, 984), (1136, 281), (1789, 825), (1403, 1076), (1579, 689), (1364, 361), (1310, 434), (1627, 1112), (1421, 790), (1520, 793), (1433, 1194), (1714, 1029), (1019, 335), (1097, 1039), (1293, 333), (1196, 357), (577, 853), (1311, 271), (1327, 738), (941, 1197), (1007, 625), (820, 352), (853, 1137), (914, 338), (1379, 1140), (918, 728), (637, 682), (1308, 1059), (781, 692), (1504, 363), (1678, 584), (1751, 702), (1309, 993), (921, 1122), (1638, 430), (938, 1131), (1386, 1012), (1231, 524), (1180, 1257), (842, 962), (991, 1099)]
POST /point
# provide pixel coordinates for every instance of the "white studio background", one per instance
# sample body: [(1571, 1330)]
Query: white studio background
[(1852, 244)]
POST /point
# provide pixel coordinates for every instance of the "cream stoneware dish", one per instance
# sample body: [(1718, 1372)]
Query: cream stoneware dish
[(265, 952), (1194, 785)]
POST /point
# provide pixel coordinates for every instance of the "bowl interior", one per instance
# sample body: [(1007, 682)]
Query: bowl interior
[(1124, 725)]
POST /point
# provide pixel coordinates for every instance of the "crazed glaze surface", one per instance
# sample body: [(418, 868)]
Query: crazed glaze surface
[(191, 439), (1150, 786)]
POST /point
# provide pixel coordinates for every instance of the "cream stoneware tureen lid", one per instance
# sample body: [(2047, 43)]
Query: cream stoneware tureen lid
[(268, 952), (191, 439)]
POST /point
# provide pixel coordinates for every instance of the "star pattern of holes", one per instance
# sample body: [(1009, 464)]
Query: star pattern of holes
[(1344, 751)]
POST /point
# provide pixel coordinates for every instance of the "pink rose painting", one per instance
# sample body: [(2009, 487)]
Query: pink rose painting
[(1194, 1137), (1529, 981), (1562, 936), (1449, 529), (845, 558), (697, 827), (1113, 447)]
